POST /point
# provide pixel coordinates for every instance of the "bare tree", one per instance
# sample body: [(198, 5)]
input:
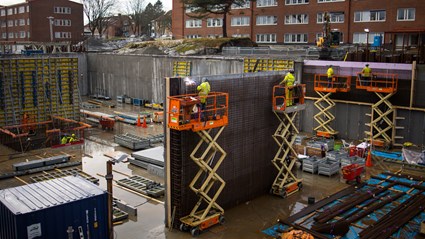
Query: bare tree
[(203, 8), (135, 10), (97, 12)]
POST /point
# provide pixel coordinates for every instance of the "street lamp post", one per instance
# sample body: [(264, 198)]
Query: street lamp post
[(51, 27), (367, 43)]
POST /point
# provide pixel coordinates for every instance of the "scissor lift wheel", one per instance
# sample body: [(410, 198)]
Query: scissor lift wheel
[(207, 155)]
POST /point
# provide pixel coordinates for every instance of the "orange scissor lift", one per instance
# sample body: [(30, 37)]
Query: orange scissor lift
[(185, 114), (381, 124), (286, 110), (325, 89)]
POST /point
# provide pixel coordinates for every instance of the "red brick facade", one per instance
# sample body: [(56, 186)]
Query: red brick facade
[(29, 21), (298, 29)]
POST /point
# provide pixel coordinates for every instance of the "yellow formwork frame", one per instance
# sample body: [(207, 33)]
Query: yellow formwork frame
[(199, 219), (324, 117), (285, 183), (385, 133)]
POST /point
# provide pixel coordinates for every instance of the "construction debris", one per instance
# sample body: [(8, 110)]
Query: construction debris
[(143, 186)]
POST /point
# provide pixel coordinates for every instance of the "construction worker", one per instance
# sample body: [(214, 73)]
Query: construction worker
[(65, 139), (289, 80), (73, 138), (330, 74), (365, 76), (203, 90)]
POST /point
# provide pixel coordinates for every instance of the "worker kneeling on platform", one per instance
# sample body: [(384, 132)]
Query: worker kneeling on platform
[(73, 138), (203, 90), (65, 139), (289, 80)]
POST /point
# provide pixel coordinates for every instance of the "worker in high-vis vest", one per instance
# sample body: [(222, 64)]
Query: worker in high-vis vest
[(330, 74), (73, 138), (64, 139), (366, 75), (203, 90), (289, 80)]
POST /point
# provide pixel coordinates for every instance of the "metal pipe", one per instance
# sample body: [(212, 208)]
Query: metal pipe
[(109, 177)]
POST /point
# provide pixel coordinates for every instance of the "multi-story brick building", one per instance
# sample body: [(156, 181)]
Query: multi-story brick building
[(30, 21), (301, 21)]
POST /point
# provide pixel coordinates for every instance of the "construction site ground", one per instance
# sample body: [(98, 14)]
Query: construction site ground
[(244, 221)]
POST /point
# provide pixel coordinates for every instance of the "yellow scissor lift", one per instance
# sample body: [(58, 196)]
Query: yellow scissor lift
[(184, 114), (325, 89), (286, 110), (381, 125)]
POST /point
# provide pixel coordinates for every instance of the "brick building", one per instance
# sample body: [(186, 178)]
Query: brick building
[(29, 21), (301, 21)]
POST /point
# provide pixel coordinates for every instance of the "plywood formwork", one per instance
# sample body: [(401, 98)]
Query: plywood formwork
[(32, 89)]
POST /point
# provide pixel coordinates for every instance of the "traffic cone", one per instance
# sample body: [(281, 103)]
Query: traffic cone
[(144, 123), (138, 121), (369, 160)]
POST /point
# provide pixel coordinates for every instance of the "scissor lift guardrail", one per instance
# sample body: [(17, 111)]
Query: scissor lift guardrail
[(286, 110), (185, 114), (325, 88)]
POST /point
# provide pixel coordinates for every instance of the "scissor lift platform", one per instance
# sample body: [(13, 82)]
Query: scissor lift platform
[(325, 88), (185, 114)]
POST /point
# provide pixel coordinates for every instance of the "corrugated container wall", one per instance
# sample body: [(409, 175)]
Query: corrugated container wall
[(55, 209)]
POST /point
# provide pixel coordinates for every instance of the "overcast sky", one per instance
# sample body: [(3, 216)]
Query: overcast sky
[(166, 3)]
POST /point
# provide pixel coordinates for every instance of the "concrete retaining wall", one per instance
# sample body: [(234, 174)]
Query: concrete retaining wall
[(142, 76)]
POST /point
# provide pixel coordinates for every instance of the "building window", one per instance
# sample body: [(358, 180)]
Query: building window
[(10, 23), (4, 35), (16, 35), (10, 34), (28, 8), (3, 23), (266, 38), (22, 9), (266, 3), (295, 38), (9, 11), (194, 23), (296, 19), (334, 17), (16, 22), (62, 10), (296, 2), (266, 20), (214, 22), (370, 16), (16, 11), (215, 36), (360, 37), (62, 22), (320, 1), (2, 12), (28, 21), (193, 36), (21, 22), (319, 35), (240, 21), (28, 34), (240, 35), (22, 34), (190, 9), (406, 14), (245, 5)]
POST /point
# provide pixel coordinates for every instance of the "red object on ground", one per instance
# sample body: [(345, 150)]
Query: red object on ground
[(144, 123), (369, 160), (107, 123), (352, 172), (138, 121)]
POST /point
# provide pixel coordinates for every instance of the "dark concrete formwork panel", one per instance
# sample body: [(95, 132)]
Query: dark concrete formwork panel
[(247, 139)]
